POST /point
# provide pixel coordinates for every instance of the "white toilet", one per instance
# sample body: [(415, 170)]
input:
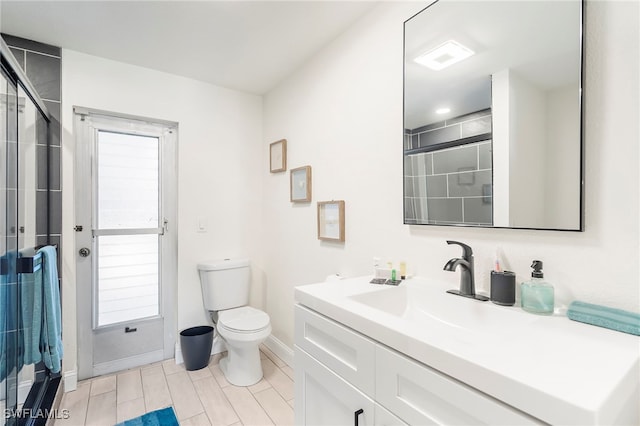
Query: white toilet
[(225, 290)]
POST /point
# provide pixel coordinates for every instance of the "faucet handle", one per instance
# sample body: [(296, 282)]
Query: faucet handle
[(467, 252)]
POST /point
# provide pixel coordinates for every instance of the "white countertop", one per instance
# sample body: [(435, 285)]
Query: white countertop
[(555, 369)]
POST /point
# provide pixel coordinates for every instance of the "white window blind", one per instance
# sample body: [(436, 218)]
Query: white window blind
[(128, 241)]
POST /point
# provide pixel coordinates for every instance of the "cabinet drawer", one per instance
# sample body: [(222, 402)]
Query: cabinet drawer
[(420, 395), (322, 398), (344, 351)]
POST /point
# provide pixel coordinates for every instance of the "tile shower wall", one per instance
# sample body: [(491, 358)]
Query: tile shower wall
[(42, 64), (452, 185)]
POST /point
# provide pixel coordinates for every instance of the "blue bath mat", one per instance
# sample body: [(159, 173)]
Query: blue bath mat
[(162, 417)]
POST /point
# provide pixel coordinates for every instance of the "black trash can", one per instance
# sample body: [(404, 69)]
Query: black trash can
[(195, 343)]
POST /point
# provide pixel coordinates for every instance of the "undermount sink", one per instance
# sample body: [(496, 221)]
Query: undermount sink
[(426, 305)]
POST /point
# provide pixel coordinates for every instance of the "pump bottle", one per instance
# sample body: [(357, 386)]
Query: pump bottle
[(536, 295)]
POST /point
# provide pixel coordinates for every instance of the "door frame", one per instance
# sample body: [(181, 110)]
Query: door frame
[(84, 238)]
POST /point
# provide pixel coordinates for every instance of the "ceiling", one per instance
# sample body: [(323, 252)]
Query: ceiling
[(244, 45)]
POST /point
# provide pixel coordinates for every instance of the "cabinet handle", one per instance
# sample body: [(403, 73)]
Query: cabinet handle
[(355, 416)]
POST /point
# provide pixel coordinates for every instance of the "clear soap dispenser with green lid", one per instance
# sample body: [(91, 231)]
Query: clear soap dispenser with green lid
[(536, 295)]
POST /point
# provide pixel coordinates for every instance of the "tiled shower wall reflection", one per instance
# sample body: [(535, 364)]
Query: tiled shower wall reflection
[(466, 126), (42, 64), (453, 185)]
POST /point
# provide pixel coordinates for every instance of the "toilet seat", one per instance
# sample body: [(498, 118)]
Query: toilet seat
[(243, 320)]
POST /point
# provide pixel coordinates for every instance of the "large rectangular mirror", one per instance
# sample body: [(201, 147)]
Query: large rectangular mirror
[(493, 115)]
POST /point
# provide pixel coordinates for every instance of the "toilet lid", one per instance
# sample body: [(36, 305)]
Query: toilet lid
[(245, 318)]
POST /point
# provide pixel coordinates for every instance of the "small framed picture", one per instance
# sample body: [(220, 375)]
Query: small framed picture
[(331, 220), (300, 184), (278, 156)]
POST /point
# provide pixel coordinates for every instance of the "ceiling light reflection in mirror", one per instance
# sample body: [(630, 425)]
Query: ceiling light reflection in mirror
[(448, 53)]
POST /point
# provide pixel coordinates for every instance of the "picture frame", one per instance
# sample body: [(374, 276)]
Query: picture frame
[(331, 221), (278, 156), (300, 184)]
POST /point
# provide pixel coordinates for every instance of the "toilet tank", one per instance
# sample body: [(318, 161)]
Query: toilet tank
[(225, 283)]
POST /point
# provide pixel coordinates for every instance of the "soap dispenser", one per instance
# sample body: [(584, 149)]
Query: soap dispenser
[(536, 295)]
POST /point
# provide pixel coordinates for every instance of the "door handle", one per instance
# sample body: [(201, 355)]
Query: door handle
[(356, 414), (84, 252)]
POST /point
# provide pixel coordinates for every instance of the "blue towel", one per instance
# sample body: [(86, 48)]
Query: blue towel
[(4, 308), (10, 359), (51, 337), (602, 316), (162, 417), (31, 309)]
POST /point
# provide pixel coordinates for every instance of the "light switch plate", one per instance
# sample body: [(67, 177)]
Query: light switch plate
[(201, 225)]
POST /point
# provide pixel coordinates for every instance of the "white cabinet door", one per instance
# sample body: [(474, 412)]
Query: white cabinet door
[(348, 353), (423, 396), (322, 398), (384, 417)]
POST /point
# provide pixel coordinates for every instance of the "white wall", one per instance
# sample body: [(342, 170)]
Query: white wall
[(219, 146), (342, 114)]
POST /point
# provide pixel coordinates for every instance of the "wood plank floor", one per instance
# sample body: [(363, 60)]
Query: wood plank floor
[(201, 398)]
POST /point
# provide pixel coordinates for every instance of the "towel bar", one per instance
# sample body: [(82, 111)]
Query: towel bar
[(28, 265)]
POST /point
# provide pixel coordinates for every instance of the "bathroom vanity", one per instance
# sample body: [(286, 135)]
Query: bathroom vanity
[(368, 354)]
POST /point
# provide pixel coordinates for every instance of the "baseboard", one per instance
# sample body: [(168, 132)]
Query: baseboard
[(126, 363), (178, 355), (283, 351), (23, 390), (70, 380)]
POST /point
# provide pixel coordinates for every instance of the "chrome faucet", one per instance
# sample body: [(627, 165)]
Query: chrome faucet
[(467, 283)]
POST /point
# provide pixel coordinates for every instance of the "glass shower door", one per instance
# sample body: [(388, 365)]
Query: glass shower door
[(26, 385), (9, 317)]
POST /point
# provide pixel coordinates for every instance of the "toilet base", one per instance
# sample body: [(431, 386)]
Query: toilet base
[(242, 367)]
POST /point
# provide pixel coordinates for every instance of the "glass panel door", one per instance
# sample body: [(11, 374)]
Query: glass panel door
[(9, 354), (125, 173), (126, 235)]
